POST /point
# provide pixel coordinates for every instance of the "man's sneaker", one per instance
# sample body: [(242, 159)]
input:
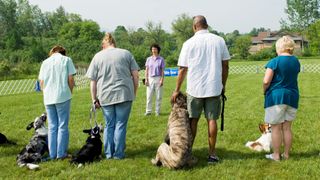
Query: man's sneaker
[(157, 114), (213, 159), (147, 114)]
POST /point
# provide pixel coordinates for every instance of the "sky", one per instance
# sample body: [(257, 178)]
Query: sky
[(222, 15)]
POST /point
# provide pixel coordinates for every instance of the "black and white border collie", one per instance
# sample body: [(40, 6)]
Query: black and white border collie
[(33, 152)]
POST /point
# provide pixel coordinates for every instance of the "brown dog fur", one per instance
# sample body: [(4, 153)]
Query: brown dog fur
[(175, 152)]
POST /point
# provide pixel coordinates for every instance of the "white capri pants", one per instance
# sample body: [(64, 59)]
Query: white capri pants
[(154, 87)]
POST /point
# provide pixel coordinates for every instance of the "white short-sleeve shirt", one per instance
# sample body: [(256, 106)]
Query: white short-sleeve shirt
[(203, 54), (54, 72)]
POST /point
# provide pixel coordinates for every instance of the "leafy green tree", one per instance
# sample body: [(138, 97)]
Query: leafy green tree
[(81, 39), (122, 37), (155, 33), (313, 35), (8, 20), (301, 13), (230, 38), (242, 46), (182, 28)]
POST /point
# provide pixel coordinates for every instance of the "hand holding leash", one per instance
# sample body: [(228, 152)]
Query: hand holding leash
[(96, 104)]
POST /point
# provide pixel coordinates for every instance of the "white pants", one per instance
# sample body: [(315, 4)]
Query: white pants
[(154, 87)]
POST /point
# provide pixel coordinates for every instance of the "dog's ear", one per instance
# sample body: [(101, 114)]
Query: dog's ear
[(100, 128), (88, 131), (261, 128), (44, 116), (30, 126)]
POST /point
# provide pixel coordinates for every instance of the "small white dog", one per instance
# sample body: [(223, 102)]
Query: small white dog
[(264, 142)]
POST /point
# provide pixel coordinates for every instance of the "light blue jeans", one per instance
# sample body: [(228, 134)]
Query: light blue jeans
[(58, 134), (114, 137)]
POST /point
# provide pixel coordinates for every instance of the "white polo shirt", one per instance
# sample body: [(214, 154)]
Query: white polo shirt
[(203, 54)]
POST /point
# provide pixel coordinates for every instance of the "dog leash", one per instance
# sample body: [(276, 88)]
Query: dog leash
[(93, 115), (224, 99)]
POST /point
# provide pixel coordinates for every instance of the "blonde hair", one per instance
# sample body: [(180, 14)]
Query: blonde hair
[(58, 49), (108, 39), (285, 44)]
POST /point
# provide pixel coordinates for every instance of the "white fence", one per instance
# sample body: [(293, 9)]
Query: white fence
[(29, 85)]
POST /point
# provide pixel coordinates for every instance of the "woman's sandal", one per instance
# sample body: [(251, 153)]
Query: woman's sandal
[(284, 157), (270, 156)]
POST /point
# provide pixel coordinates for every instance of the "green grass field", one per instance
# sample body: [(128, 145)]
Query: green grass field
[(244, 111)]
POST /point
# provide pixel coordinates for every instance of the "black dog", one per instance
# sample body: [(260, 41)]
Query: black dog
[(38, 145), (4, 140), (91, 150)]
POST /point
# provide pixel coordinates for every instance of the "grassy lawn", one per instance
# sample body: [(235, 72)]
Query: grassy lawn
[(244, 110)]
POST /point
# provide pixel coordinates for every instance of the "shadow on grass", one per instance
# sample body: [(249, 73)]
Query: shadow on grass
[(148, 151), (304, 155)]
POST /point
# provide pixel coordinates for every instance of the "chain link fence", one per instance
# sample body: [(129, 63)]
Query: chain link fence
[(81, 82)]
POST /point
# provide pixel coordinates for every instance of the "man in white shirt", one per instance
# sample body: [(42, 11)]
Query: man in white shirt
[(204, 59)]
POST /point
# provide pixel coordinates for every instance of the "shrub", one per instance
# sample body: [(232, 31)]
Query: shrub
[(263, 54)]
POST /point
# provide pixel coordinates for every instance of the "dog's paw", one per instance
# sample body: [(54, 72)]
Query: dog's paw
[(21, 164), (156, 162), (192, 161), (33, 166), (248, 144)]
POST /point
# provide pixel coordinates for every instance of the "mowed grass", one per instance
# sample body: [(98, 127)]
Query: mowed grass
[(244, 111)]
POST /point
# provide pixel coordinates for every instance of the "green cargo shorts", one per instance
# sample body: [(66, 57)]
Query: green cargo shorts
[(210, 105)]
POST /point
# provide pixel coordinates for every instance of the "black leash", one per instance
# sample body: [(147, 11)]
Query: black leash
[(224, 99)]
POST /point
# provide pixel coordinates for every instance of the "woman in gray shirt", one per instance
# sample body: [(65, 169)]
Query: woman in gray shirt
[(114, 81)]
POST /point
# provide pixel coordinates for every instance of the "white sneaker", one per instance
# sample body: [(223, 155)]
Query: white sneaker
[(157, 114), (147, 114)]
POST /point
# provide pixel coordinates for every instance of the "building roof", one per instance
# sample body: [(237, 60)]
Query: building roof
[(274, 36)]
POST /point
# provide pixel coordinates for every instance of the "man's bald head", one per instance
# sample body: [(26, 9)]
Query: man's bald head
[(200, 22)]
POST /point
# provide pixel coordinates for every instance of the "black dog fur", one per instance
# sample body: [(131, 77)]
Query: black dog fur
[(4, 140), (38, 146), (92, 149)]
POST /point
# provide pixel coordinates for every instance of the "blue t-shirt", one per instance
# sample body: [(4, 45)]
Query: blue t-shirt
[(284, 85)]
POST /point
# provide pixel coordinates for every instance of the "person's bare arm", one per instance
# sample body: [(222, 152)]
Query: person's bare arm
[(71, 82), (267, 79), (225, 73), (162, 77), (41, 85), (135, 78), (93, 91), (181, 76)]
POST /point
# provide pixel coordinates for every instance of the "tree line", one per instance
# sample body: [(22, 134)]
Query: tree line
[(27, 34)]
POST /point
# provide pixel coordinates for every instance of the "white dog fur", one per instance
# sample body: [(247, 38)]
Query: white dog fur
[(264, 142)]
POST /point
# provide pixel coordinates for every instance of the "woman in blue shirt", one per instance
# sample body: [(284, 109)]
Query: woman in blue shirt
[(280, 86), (56, 81)]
